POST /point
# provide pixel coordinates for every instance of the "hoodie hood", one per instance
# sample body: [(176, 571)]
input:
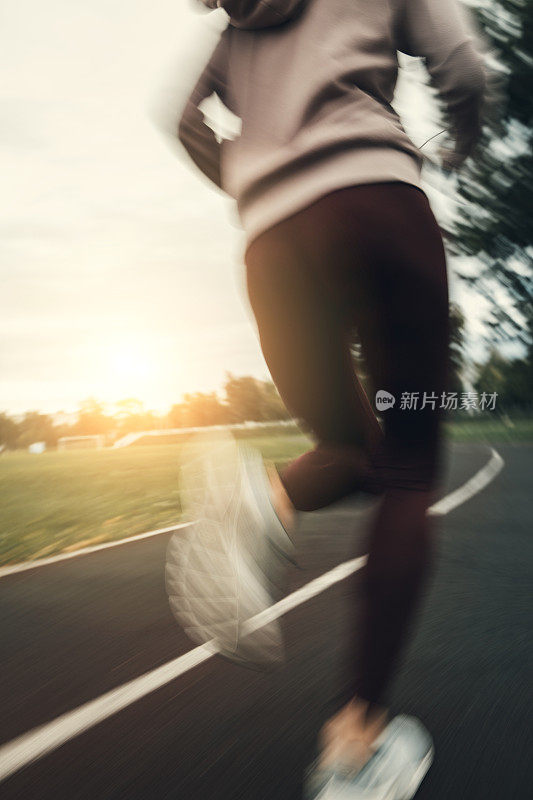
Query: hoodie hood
[(250, 14)]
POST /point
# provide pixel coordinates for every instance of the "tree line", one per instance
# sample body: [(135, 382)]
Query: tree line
[(244, 399), (247, 399)]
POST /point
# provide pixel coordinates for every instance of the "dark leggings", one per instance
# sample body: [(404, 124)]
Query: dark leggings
[(366, 258)]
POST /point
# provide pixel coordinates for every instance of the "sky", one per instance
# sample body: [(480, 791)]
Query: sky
[(121, 267)]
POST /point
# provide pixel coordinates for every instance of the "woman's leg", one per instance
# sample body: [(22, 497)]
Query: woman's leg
[(371, 256), (404, 332), (305, 338)]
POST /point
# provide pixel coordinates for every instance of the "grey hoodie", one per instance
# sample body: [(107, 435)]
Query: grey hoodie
[(313, 82)]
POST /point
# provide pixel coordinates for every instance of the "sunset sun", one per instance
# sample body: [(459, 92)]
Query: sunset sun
[(130, 366)]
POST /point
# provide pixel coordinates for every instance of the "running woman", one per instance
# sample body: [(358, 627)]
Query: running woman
[(339, 236)]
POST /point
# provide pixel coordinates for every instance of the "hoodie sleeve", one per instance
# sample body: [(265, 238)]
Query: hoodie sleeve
[(195, 135), (442, 32)]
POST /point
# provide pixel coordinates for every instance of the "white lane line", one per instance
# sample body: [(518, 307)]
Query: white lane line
[(42, 562), (48, 737), (42, 740), (478, 482)]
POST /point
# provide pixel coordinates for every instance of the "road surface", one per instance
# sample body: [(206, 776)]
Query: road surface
[(74, 630)]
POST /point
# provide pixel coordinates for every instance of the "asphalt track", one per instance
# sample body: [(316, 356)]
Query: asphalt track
[(73, 630)]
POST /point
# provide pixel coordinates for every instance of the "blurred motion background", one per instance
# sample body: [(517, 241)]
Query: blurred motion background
[(124, 324)]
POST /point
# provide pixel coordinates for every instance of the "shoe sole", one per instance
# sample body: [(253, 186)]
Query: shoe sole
[(213, 584)]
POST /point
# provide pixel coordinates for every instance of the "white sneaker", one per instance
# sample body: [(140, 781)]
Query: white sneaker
[(403, 756), (227, 566)]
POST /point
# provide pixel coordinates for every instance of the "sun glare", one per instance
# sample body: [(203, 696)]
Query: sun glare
[(129, 362), (130, 367)]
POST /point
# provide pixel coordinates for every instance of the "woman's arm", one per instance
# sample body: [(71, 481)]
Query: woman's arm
[(442, 32), (193, 132)]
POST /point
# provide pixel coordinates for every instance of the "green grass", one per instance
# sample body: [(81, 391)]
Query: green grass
[(491, 431), (56, 502), (61, 501)]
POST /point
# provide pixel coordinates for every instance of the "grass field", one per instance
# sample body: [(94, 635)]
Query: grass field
[(61, 501), (57, 502)]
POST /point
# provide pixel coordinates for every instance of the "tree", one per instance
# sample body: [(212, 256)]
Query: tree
[(518, 390), (456, 351), (202, 408), (495, 187), (272, 406), (36, 427), (131, 416), (509, 379), (8, 432), (92, 419), (244, 398), (176, 417), (490, 376)]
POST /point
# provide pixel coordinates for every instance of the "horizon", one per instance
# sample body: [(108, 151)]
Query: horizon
[(111, 408)]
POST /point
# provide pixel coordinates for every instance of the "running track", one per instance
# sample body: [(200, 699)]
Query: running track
[(75, 630)]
